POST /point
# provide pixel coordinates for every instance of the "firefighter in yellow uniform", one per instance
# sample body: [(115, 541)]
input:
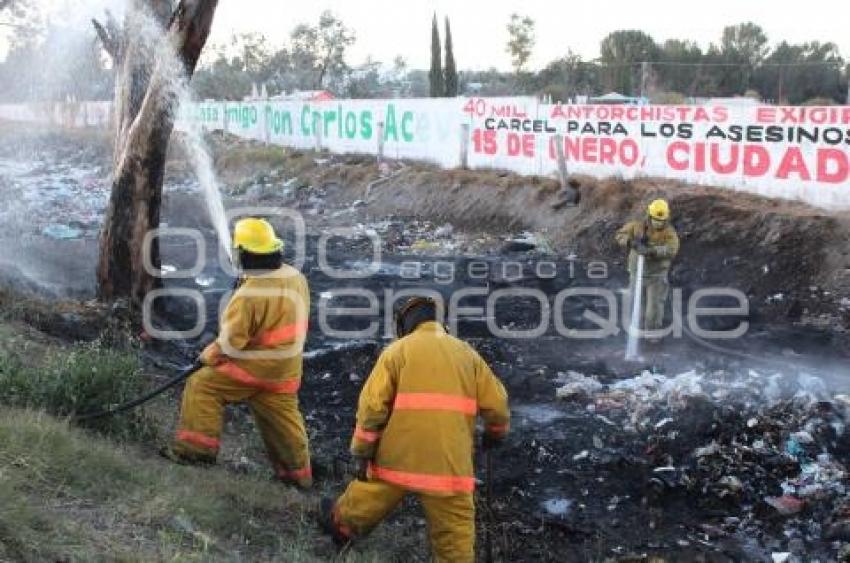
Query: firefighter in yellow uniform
[(656, 240), (257, 359), (415, 432)]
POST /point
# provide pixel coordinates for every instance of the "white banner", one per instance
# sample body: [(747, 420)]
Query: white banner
[(800, 153)]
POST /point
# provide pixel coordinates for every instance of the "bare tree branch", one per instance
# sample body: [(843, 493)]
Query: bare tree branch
[(110, 42)]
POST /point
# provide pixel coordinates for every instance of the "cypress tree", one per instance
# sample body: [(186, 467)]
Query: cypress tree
[(435, 77), (451, 69)]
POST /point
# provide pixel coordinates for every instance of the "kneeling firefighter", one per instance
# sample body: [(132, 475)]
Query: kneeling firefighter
[(415, 433), (257, 358), (656, 240)]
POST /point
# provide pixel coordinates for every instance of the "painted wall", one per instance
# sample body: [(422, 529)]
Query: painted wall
[(800, 153)]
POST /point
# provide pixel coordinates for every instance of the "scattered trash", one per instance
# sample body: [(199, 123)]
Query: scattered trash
[(558, 506), (663, 422), (61, 232), (786, 505), (445, 231), (577, 385), (731, 483)]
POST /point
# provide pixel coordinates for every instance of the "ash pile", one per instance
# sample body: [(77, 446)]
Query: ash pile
[(759, 459)]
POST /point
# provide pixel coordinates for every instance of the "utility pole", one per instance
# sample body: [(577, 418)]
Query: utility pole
[(644, 78), (847, 76)]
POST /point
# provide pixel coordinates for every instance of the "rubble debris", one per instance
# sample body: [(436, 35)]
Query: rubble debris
[(712, 449), (576, 385), (786, 505), (759, 446)]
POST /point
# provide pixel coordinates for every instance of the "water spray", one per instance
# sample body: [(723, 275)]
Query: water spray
[(175, 85), (202, 163), (634, 322)]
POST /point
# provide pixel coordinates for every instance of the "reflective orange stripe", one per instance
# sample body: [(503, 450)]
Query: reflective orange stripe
[(337, 522), (366, 435), (233, 371), (435, 402), (498, 428), (423, 481), (198, 439), (295, 474), (281, 335)]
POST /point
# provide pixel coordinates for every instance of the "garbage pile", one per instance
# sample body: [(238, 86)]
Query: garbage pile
[(57, 199), (763, 455)]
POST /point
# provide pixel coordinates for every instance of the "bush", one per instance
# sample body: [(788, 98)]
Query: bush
[(669, 98), (86, 378), (819, 102)]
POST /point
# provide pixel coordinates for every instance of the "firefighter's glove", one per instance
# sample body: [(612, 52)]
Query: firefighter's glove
[(641, 248), (361, 468)]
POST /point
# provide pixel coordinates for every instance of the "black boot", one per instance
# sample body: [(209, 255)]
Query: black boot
[(183, 459), (328, 525)]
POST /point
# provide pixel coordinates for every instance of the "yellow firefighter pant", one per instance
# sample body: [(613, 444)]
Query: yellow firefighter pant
[(655, 291), (451, 519), (277, 415)]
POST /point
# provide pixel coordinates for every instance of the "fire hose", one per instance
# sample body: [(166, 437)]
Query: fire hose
[(124, 407), (129, 405)]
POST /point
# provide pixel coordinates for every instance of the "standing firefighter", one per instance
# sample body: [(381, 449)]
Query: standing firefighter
[(256, 359), (657, 241), (415, 432)]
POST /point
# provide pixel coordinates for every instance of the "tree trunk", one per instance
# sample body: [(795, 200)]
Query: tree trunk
[(146, 100)]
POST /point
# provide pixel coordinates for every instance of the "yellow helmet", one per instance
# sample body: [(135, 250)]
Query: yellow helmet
[(659, 210), (256, 236)]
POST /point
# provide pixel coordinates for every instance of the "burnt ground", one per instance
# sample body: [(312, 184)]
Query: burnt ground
[(680, 456)]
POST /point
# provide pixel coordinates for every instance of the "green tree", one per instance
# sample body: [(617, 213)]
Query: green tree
[(365, 81), (520, 42), (679, 69), (796, 73), (398, 81), (435, 77), (743, 47), (567, 77), (621, 52), (244, 60), (451, 68), (319, 52)]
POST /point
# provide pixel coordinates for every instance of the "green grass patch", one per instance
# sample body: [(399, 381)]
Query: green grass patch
[(86, 377)]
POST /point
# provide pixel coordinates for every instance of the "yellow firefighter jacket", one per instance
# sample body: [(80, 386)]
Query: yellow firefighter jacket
[(263, 330), (663, 245), (417, 412)]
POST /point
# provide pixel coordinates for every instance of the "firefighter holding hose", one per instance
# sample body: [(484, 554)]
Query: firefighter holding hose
[(257, 359), (415, 431), (656, 240)]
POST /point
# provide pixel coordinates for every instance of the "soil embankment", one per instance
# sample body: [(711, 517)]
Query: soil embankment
[(687, 460)]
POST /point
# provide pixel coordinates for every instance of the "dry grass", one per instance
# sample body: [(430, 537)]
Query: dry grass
[(65, 495), (69, 494)]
